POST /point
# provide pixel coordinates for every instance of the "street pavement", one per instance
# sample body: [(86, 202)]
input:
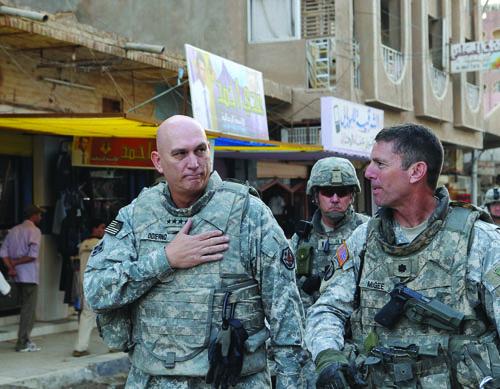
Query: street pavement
[(54, 366)]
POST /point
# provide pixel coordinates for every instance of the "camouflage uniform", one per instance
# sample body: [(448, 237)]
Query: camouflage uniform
[(456, 260), (167, 317), (315, 250), (321, 245)]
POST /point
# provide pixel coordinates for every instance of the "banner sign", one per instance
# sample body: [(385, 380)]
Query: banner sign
[(349, 128), (112, 152), (475, 56), (226, 96)]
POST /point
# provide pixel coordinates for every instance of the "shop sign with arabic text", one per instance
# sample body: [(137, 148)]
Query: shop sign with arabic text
[(226, 96), (475, 56), (349, 128), (112, 152)]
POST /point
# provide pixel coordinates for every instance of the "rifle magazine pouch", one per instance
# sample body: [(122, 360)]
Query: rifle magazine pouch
[(115, 328)]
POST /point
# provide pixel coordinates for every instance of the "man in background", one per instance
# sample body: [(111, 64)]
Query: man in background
[(87, 317), (492, 204), (332, 185), (20, 251)]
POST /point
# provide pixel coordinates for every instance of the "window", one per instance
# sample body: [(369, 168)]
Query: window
[(318, 18), (436, 41), (390, 20), (496, 88), (273, 20)]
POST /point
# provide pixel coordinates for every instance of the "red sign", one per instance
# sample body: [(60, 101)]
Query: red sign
[(113, 152)]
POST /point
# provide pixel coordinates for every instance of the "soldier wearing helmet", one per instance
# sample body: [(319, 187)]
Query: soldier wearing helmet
[(332, 185), (492, 203)]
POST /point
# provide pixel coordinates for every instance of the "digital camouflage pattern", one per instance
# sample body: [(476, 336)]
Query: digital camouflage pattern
[(333, 171), (323, 246), (131, 271), (437, 265), (139, 380)]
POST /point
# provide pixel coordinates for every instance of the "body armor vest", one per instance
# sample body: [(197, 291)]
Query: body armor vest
[(319, 246), (174, 322), (436, 269)]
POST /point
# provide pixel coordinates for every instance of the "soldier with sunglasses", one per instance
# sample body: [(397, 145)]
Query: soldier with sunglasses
[(332, 184)]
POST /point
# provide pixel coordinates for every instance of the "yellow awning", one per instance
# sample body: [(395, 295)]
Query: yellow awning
[(118, 125)]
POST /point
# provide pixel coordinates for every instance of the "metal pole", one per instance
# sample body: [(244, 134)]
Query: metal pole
[(475, 158), (24, 13), (144, 47)]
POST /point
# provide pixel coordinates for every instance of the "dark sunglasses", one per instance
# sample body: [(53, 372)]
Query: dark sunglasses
[(329, 191)]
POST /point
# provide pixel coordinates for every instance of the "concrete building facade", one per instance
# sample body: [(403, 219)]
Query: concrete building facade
[(388, 54)]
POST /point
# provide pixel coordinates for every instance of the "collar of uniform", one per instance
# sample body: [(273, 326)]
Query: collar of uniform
[(213, 183), (387, 236)]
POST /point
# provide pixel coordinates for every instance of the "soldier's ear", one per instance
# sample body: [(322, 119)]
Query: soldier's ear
[(155, 158), (417, 172)]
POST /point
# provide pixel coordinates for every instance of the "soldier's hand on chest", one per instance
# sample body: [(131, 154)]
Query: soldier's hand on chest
[(186, 251)]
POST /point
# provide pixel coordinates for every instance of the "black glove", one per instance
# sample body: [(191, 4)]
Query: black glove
[(331, 377), (338, 375), (312, 284), (225, 355), (335, 371)]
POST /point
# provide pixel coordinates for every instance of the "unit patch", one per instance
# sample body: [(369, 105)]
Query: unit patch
[(97, 249), (114, 227), (288, 259), (342, 254)]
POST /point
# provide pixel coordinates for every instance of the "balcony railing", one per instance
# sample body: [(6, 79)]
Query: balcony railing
[(438, 81), (472, 95), (393, 63)]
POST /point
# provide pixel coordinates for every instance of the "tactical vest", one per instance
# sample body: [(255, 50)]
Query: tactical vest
[(436, 270), (174, 322), (317, 249)]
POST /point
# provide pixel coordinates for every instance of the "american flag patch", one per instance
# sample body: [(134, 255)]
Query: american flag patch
[(342, 254), (114, 227)]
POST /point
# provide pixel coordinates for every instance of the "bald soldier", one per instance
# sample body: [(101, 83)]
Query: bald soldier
[(186, 274)]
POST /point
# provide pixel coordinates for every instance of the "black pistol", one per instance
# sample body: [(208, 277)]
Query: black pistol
[(419, 309)]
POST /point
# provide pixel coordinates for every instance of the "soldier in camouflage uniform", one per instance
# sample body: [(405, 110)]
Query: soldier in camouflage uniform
[(332, 184), (160, 276), (436, 247), (492, 204)]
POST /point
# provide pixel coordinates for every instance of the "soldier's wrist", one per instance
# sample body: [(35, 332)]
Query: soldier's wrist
[(327, 357)]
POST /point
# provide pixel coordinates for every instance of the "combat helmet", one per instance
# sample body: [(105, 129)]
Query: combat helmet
[(492, 196), (333, 171)]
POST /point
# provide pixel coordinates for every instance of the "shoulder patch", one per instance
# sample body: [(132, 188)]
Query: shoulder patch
[(97, 249), (114, 227), (342, 254), (288, 259)]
